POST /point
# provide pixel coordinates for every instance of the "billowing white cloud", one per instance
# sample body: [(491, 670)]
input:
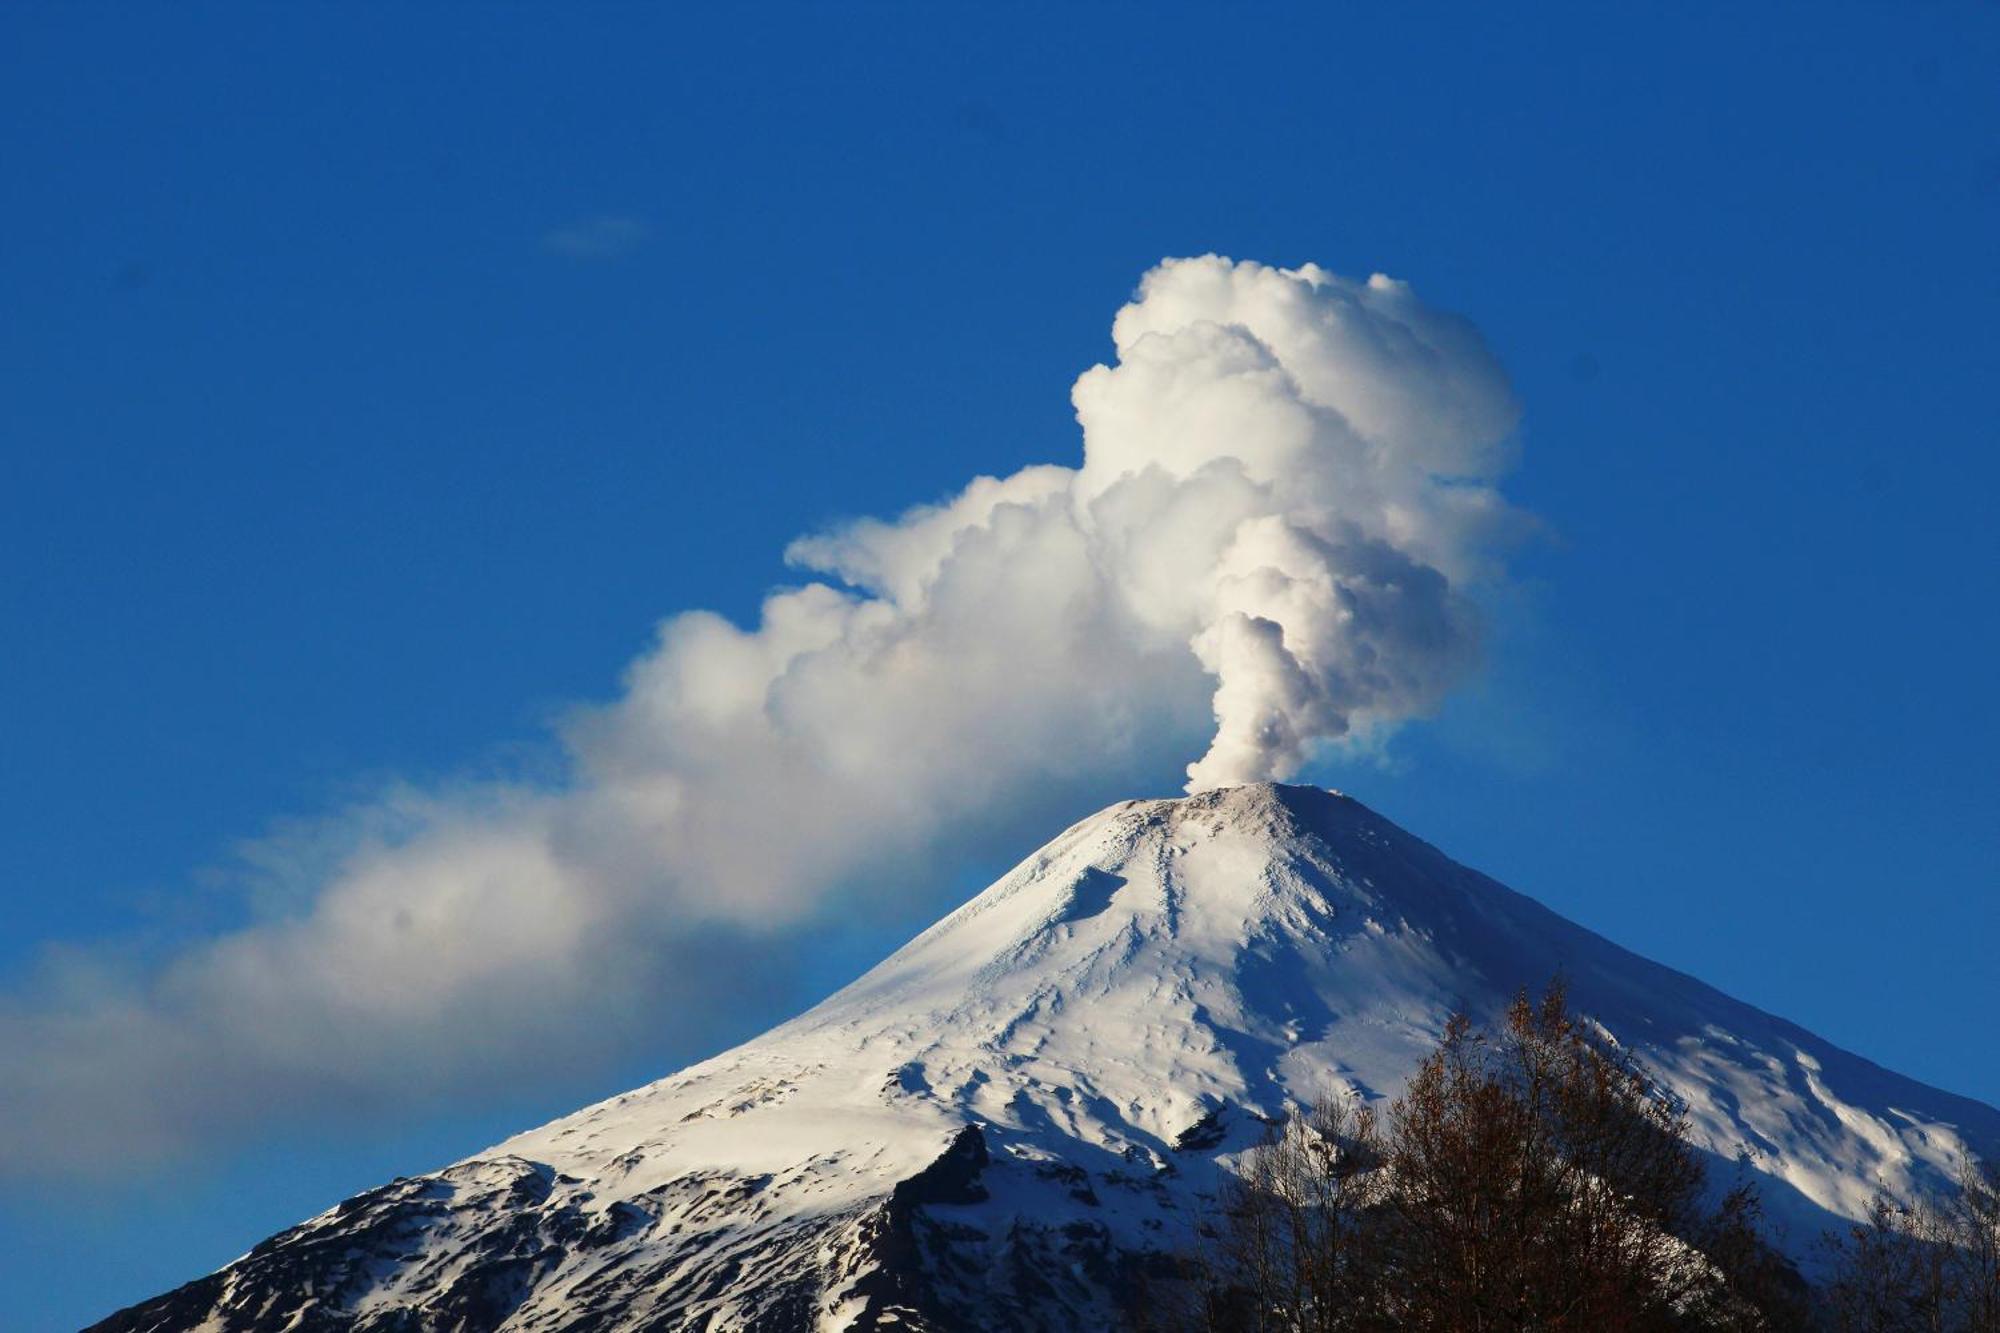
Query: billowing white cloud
[(1286, 490)]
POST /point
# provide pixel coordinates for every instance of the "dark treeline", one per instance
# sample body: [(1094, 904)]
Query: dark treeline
[(1533, 1178)]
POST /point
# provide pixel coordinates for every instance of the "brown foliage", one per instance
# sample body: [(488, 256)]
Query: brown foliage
[(1540, 1183), (1528, 1178)]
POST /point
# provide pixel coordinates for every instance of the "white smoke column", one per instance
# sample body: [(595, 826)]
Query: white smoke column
[(1287, 487), (1372, 429)]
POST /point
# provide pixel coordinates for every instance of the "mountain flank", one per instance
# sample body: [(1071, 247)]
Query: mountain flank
[(1014, 1119)]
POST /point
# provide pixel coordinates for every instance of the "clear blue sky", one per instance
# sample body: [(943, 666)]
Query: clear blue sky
[(371, 382)]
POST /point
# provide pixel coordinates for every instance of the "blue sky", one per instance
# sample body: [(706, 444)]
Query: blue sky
[(371, 384)]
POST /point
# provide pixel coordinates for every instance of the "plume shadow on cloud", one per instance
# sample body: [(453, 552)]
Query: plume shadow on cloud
[(1286, 489)]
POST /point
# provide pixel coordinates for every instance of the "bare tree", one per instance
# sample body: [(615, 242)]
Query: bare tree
[(1297, 1247), (1931, 1266), (1541, 1182), (1760, 1291), (1528, 1178)]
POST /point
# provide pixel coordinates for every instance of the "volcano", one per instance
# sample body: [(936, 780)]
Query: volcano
[(1010, 1121)]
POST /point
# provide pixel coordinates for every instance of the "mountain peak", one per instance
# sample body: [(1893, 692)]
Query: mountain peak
[(1278, 808), (1050, 1080)]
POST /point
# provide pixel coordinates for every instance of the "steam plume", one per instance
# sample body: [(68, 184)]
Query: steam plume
[(1287, 486)]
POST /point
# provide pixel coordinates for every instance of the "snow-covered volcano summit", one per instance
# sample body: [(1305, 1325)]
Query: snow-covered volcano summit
[(994, 1127)]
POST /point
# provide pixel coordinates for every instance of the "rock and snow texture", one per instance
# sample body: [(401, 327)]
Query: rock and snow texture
[(996, 1126)]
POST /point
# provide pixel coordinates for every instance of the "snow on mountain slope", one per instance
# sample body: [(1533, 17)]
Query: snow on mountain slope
[(996, 1125)]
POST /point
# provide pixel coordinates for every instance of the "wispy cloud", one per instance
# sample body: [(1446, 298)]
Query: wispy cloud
[(605, 236), (1287, 484)]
